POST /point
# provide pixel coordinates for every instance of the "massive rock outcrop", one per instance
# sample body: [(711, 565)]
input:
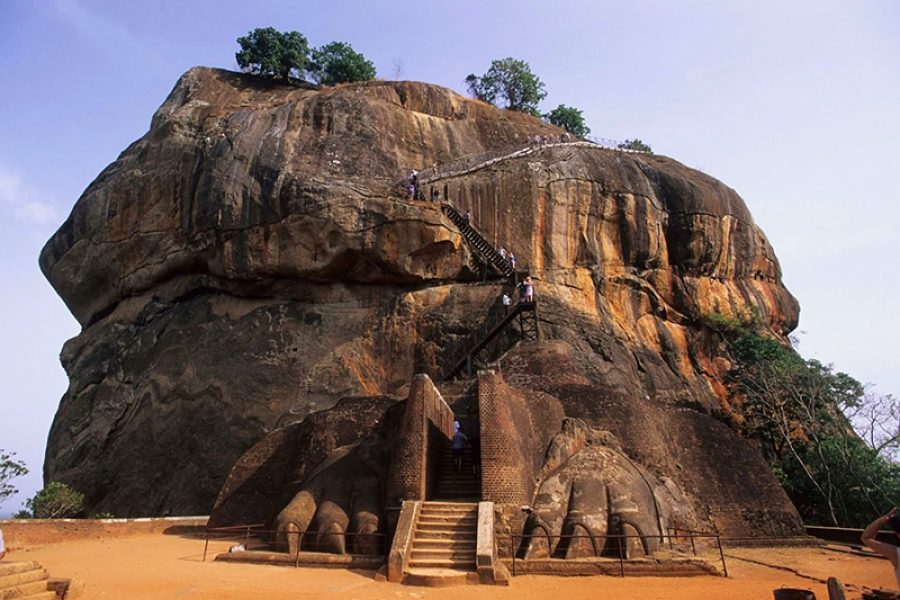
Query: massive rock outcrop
[(250, 261)]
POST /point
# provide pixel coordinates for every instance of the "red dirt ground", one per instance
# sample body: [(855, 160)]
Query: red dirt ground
[(170, 566)]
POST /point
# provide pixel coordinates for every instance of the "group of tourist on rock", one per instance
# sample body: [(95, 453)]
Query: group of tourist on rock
[(543, 140), (525, 287)]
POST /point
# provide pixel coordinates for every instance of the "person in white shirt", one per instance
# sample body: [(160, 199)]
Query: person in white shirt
[(2, 547)]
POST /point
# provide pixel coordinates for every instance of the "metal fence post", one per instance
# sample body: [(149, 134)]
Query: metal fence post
[(621, 557), (722, 556)]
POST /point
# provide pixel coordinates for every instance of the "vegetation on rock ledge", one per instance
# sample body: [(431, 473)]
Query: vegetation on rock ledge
[(282, 55), (569, 118), (802, 413)]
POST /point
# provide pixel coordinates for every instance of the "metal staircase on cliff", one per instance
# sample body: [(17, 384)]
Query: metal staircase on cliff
[(527, 316), (477, 242)]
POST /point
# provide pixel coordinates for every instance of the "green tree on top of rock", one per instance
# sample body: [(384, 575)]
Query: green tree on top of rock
[(569, 118), (509, 80), (271, 53), (637, 145), (338, 62)]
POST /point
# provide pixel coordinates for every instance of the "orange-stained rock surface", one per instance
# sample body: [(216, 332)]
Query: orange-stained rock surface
[(250, 260)]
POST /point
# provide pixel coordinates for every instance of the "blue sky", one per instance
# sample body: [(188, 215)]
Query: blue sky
[(796, 105)]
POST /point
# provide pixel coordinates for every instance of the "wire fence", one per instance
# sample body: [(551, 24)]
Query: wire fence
[(256, 537), (600, 543)]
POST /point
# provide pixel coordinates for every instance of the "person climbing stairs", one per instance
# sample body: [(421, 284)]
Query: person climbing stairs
[(476, 241), (462, 484)]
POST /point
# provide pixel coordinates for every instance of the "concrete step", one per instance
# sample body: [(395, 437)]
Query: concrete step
[(8, 568), (448, 504), (447, 512), (445, 534), (24, 590), (461, 530), (448, 521), (39, 596), (37, 573), (438, 543), (439, 577), (449, 517), (443, 554), (441, 563)]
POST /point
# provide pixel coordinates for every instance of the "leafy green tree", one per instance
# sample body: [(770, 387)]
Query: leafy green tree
[(569, 118), (797, 410), (271, 53), (56, 501), (636, 144), (510, 80), (9, 469), (338, 62)]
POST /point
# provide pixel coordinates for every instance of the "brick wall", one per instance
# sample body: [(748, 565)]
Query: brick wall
[(426, 418), (507, 471)]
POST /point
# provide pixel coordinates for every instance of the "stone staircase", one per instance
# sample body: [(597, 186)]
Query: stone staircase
[(25, 580), (477, 242), (457, 486), (444, 543)]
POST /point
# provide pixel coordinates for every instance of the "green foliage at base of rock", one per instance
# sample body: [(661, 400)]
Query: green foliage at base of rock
[(796, 410), (56, 501)]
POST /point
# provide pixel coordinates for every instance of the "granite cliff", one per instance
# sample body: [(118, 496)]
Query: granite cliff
[(250, 261)]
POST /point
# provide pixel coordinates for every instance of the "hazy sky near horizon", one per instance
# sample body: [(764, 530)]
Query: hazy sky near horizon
[(796, 105)]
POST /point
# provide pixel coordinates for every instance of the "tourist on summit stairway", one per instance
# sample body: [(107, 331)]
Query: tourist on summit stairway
[(459, 443), (889, 551)]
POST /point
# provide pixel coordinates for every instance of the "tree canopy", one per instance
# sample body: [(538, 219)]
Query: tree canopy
[(798, 412), (56, 501), (271, 53), (9, 469), (338, 62), (510, 80), (636, 144), (569, 118)]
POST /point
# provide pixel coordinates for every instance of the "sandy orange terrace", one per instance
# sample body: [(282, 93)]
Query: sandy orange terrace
[(171, 566)]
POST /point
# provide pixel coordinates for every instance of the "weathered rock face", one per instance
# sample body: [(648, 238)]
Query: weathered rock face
[(248, 262)]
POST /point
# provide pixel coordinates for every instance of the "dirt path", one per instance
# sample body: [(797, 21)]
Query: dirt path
[(167, 566)]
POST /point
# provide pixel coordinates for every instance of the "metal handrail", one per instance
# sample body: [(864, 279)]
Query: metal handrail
[(255, 530), (616, 536)]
